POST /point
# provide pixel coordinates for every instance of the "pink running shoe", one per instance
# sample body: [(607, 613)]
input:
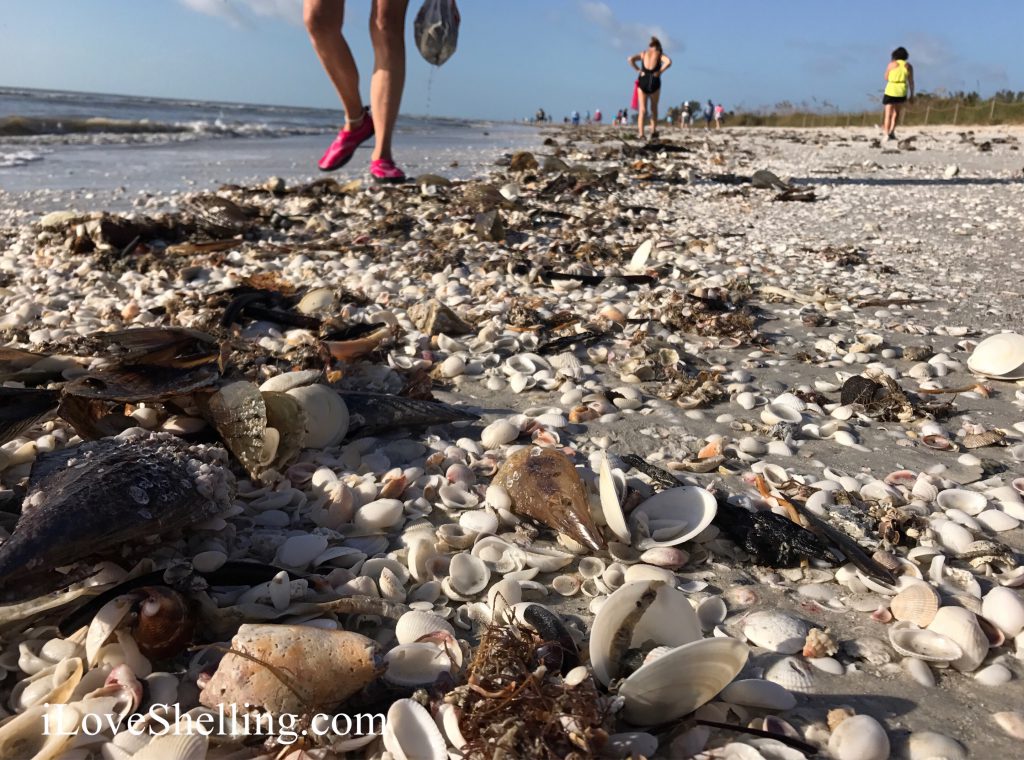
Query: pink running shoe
[(345, 144), (383, 170)]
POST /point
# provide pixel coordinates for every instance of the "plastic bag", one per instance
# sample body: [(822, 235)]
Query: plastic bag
[(437, 30)]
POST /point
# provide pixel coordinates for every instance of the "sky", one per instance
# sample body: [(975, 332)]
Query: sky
[(517, 55)]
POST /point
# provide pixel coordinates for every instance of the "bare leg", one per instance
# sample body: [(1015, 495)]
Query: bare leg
[(387, 32), (655, 96), (324, 19), (897, 109), (887, 119), (642, 113)]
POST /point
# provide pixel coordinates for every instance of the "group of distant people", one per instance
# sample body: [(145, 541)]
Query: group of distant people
[(690, 112)]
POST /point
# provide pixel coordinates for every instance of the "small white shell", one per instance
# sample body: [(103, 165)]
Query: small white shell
[(794, 674), (498, 433), (378, 515), (415, 664), (776, 413), (923, 745), (753, 692), (917, 604), (1004, 608), (776, 631), (467, 574), (673, 516), (611, 508), (414, 624), (711, 612), (326, 415), (1000, 355), (970, 502)]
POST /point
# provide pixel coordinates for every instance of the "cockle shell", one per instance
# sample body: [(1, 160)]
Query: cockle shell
[(327, 417), (917, 604), (498, 433), (327, 666), (776, 631), (544, 485)]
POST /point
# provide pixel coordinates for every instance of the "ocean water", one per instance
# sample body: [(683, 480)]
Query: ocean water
[(104, 151)]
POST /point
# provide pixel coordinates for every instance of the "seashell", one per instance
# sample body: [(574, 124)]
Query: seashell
[(1000, 356), (468, 575), (590, 567), (938, 442), (414, 625), (498, 433), (917, 604), (993, 675), (954, 536), (455, 496), (711, 612), (611, 507), (546, 560), (1004, 608), (796, 675), (411, 734), (983, 439), (1012, 722), (416, 664), (630, 745), (860, 737), (681, 680), (165, 622), (776, 413), (479, 521), (923, 745), (996, 520), (327, 417), (910, 641), (637, 613), (969, 502), (566, 585), (776, 631), (673, 516), (919, 671), (754, 692), (330, 666), (819, 644), (299, 551), (42, 732), (961, 626), (925, 488), (453, 366), (671, 557), (378, 515), (544, 485)]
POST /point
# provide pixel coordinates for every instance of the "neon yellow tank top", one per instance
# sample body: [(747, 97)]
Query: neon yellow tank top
[(897, 84)]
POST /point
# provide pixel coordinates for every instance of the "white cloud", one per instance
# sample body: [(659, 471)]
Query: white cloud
[(623, 35), (239, 11)]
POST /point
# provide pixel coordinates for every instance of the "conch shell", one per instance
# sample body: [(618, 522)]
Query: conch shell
[(544, 485)]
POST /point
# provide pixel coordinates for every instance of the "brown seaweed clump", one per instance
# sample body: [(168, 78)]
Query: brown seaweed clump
[(513, 706)]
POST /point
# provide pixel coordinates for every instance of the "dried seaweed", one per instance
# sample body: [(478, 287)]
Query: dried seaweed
[(513, 706)]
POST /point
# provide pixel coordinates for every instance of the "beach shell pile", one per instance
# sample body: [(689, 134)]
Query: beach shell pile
[(672, 402)]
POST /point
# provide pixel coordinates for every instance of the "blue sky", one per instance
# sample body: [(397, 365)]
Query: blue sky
[(516, 55)]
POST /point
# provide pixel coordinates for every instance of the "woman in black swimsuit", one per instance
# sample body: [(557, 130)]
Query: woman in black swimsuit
[(651, 64)]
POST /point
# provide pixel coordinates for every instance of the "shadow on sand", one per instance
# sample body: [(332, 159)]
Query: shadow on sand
[(908, 181)]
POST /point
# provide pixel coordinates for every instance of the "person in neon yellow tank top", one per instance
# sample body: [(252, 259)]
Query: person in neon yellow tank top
[(899, 88)]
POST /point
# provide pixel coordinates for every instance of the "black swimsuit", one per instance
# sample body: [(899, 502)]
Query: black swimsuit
[(650, 81)]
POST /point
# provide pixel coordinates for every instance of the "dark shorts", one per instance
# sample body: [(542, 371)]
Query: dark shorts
[(887, 99)]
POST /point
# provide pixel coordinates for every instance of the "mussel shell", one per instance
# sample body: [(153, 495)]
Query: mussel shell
[(141, 383)]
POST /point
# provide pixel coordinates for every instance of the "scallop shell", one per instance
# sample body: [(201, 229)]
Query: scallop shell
[(415, 624), (1004, 608), (681, 680), (917, 604), (910, 641), (1000, 356), (793, 674), (639, 612), (411, 734), (673, 516)]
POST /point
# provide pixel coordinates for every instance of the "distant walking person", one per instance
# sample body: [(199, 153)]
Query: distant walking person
[(323, 19), (652, 64), (709, 114), (684, 116), (719, 112), (899, 87)]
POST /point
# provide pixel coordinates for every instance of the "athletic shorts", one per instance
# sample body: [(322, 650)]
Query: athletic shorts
[(887, 99)]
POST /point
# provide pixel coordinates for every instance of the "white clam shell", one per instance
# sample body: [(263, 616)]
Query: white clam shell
[(911, 641), (776, 631), (999, 356), (970, 502), (680, 681), (1004, 608), (996, 520), (299, 551), (754, 692), (326, 415), (860, 737), (923, 745), (668, 620), (379, 515), (776, 413), (411, 734), (416, 664), (673, 516), (611, 507), (711, 612), (467, 574), (961, 626)]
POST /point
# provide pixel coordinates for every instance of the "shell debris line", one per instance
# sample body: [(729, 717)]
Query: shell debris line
[(622, 450)]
